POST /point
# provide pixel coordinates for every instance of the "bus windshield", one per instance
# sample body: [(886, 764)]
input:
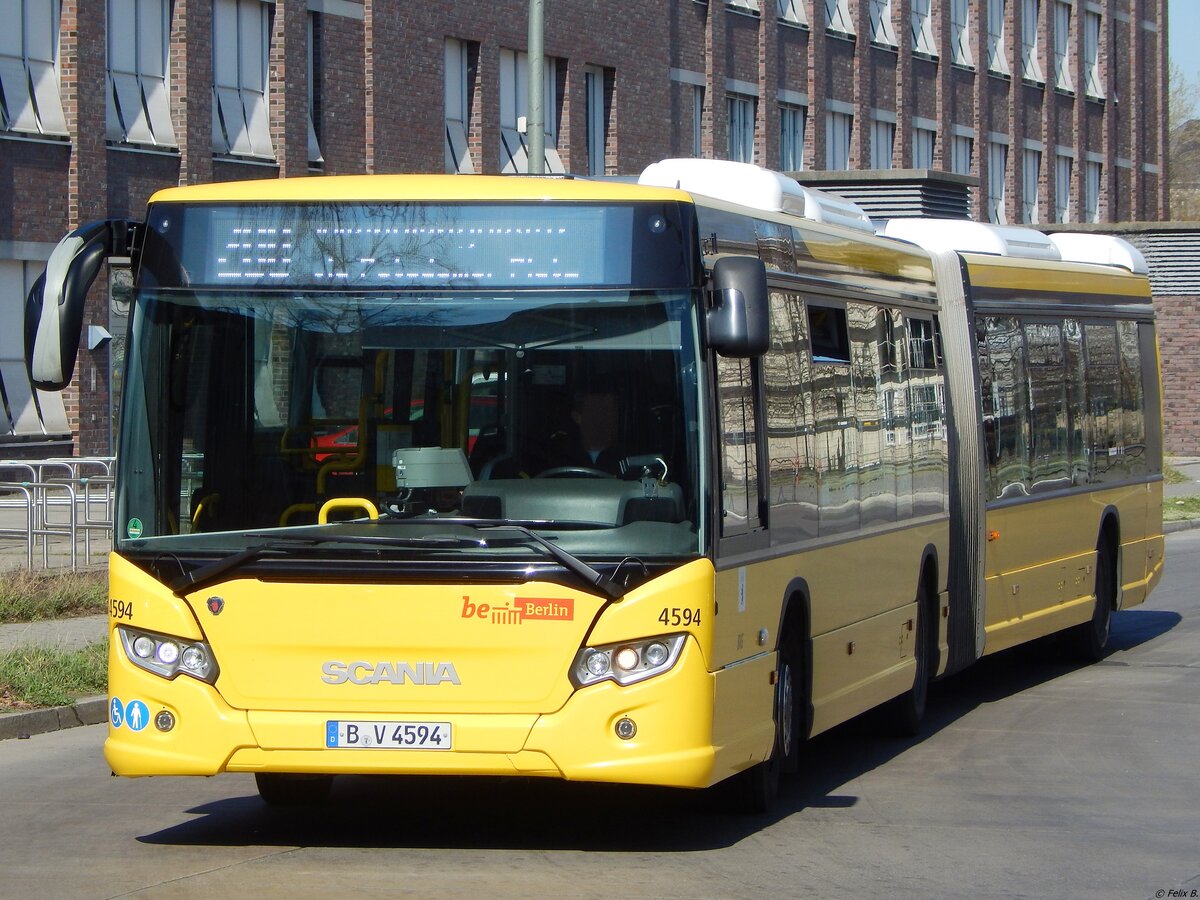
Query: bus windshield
[(571, 413)]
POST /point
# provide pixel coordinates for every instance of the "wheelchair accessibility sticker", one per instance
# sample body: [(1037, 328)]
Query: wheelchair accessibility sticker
[(134, 715)]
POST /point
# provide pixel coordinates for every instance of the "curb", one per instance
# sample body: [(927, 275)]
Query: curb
[(24, 723), (1180, 525)]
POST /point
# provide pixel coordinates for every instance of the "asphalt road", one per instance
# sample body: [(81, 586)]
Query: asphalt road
[(1032, 778)]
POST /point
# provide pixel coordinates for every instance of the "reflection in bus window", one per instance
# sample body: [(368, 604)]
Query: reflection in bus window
[(1048, 406), (1132, 400), (1076, 387), (1104, 401), (836, 444), (739, 462), (876, 480), (1005, 412), (927, 406), (787, 384)]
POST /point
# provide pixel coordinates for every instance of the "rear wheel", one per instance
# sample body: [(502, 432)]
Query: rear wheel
[(1089, 640), (279, 789), (905, 713)]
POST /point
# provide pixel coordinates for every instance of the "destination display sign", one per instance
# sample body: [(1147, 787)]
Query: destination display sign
[(357, 246)]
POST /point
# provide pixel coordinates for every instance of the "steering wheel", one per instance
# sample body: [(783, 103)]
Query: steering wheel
[(574, 472)]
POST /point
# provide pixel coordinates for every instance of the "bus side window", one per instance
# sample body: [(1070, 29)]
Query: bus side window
[(787, 385), (1132, 399), (1009, 408), (739, 459), (1077, 429), (1104, 400), (1048, 405)]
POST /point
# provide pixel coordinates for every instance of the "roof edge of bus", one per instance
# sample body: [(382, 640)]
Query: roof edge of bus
[(384, 188), (754, 187), (1017, 242)]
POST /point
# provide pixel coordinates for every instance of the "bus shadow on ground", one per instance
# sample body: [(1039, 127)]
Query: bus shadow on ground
[(541, 814)]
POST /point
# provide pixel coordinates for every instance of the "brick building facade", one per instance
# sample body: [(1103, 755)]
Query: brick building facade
[(1057, 107)]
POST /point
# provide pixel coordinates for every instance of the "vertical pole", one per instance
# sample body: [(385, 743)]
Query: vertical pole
[(536, 121)]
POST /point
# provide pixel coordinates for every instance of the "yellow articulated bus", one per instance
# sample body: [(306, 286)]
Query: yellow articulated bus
[(592, 480)]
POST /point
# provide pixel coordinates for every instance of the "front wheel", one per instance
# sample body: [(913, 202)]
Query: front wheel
[(755, 790), (280, 789)]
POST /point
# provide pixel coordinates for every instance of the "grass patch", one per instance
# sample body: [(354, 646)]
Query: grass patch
[(45, 676), (1172, 475), (1178, 508), (28, 596)]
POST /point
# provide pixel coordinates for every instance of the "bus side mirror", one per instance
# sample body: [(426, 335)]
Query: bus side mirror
[(739, 321), (55, 305)]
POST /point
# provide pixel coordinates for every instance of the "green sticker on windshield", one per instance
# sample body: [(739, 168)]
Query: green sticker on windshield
[(134, 528)]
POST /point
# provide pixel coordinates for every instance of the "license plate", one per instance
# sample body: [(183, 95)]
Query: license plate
[(344, 735)]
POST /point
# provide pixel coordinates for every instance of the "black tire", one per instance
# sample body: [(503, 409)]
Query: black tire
[(790, 720), (904, 713), (1088, 642), (755, 790), (278, 789)]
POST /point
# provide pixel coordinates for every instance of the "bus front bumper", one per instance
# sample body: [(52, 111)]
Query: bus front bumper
[(671, 743)]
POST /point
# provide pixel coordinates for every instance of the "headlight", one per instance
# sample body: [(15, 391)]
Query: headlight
[(627, 662), (168, 656)]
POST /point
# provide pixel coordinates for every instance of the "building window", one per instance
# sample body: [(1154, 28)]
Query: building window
[(1094, 84), (26, 410), (314, 147), (697, 121), (791, 138), (748, 5), (29, 68), (923, 143), (1031, 172), (138, 101), (881, 23), (883, 142), (1062, 188), (962, 149), (837, 16), (792, 11), (741, 127), (838, 128), (514, 111), (922, 28), (458, 107), (241, 33), (960, 33), (997, 169), (997, 62), (596, 93), (1091, 191), (1030, 65), (1062, 46)]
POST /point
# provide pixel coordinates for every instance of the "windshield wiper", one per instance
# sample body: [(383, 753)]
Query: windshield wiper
[(573, 564), (212, 572)]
